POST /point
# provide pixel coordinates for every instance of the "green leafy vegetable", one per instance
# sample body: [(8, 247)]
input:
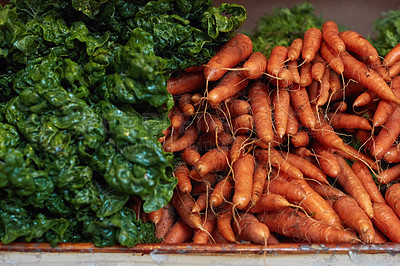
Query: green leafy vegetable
[(387, 30), (83, 101)]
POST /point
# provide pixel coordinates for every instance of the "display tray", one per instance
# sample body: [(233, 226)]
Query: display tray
[(214, 249)]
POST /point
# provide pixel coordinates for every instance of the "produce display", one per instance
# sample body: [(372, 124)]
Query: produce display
[(126, 122)]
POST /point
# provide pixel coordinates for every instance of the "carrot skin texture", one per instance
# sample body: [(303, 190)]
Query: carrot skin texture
[(292, 124), (243, 171), (325, 190), (236, 50), (348, 121), (292, 223), (311, 43), (166, 222), (293, 67), (191, 155), (255, 65), (367, 180), (392, 198), (181, 173), (188, 138), (221, 192), (354, 217), (295, 48), (390, 174), (243, 124), (300, 139), (201, 203), (392, 155), (183, 204), (212, 161), (386, 221), (392, 56), (155, 216), (186, 82), (276, 60), (269, 202), (180, 232), (330, 34), (291, 191), (302, 107), (259, 178), (281, 103), (185, 103), (249, 228), (305, 74), (201, 236), (224, 225), (358, 44)]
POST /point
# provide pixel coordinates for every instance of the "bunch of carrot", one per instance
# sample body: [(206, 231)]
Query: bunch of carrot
[(264, 150)]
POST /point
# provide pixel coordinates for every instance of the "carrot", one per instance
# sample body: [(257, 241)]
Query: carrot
[(284, 79), (311, 43), (211, 140), (387, 135), (188, 138), (183, 204), (333, 61), (291, 191), (234, 51), (365, 98), (228, 86), (155, 216), (180, 232), (196, 98), (348, 121), (274, 158), (238, 107), (316, 205), (338, 107), (242, 124), (368, 182), (300, 139), (209, 122), (392, 155), (354, 69), (386, 221), (208, 178), (334, 82), (269, 202), (303, 152), (276, 60), (255, 65), (213, 161), (186, 82), (324, 89), (330, 34), (201, 236), (221, 192), (295, 48), (259, 178), (380, 238), (194, 69), (389, 174), (394, 69), (238, 148), (318, 67), (305, 74), (248, 228), (166, 222), (281, 103), (177, 117), (224, 225), (292, 124), (302, 107), (325, 190), (359, 45), (353, 186), (392, 197), (385, 108), (392, 56), (190, 155), (293, 67), (261, 108), (185, 103), (354, 217), (383, 72), (313, 92), (292, 223), (307, 168), (243, 171), (181, 173), (217, 237), (201, 203), (350, 90)]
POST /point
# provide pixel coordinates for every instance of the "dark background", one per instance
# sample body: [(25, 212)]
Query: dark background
[(357, 15)]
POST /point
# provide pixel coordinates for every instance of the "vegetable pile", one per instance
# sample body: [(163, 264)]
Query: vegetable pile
[(83, 101), (298, 145)]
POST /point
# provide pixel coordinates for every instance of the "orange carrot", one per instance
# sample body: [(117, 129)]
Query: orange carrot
[(238, 148), (255, 65), (243, 171), (180, 232), (217, 237), (348, 121), (276, 60), (291, 191), (194, 69), (259, 178), (269, 202), (234, 51), (190, 155), (284, 79), (354, 217), (292, 124), (302, 107), (318, 67), (292, 223), (392, 155), (201, 236), (186, 82), (324, 89), (221, 192), (313, 92), (389, 174), (392, 197), (209, 122), (201, 203), (274, 158), (224, 224), (359, 45), (356, 70), (155, 216), (334, 82), (261, 107), (208, 178), (177, 117), (281, 103), (295, 49), (166, 222), (312, 43), (353, 186), (181, 173), (365, 98), (210, 140), (293, 67), (248, 228), (213, 161), (183, 204), (300, 139), (367, 180), (386, 221), (242, 124), (325, 190), (392, 56), (305, 74), (238, 107), (188, 138), (385, 108), (394, 70), (330, 34), (185, 103), (338, 107), (333, 61)]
